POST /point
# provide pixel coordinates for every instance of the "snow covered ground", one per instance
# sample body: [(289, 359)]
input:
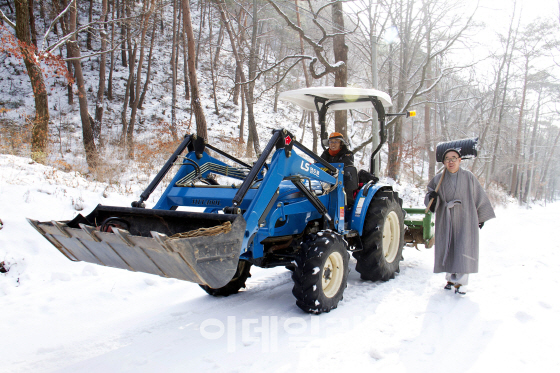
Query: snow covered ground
[(56, 315)]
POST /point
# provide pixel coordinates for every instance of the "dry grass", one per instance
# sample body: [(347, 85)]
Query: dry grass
[(498, 195), (15, 138)]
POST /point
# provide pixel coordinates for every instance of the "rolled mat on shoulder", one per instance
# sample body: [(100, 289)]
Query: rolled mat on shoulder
[(466, 147)]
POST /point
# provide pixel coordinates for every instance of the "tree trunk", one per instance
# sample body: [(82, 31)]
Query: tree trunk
[(276, 90), (186, 68), (121, 13), (57, 8), (549, 161), (514, 176), (147, 11), (174, 71), (195, 97), (70, 86), (219, 44), (253, 140), (89, 29), (40, 131), (202, 14), (242, 122), (427, 117), (42, 10), (87, 133), (530, 164), (302, 124), (110, 82), (395, 140), (32, 27), (149, 72), (307, 82), (216, 109), (229, 31), (302, 50), (239, 62), (101, 90), (237, 87), (340, 50), (314, 130), (503, 103), (126, 98)]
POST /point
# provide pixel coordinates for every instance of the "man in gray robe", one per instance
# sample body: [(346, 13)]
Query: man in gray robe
[(461, 207)]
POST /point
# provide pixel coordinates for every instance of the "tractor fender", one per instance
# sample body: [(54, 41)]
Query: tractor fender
[(361, 204)]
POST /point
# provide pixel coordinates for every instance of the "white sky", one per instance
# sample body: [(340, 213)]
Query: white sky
[(496, 13)]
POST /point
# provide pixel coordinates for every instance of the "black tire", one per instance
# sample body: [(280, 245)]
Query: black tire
[(384, 223), (235, 284), (321, 273)]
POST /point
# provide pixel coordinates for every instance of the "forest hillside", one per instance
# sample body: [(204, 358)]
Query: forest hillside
[(107, 88)]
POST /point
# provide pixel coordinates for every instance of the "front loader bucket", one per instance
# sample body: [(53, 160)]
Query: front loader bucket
[(148, 245)]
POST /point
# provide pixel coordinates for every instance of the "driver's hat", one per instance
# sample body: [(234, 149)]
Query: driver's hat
[(335, 136)]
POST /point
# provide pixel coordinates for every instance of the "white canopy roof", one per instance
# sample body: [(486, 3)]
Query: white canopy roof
[(305, 97)]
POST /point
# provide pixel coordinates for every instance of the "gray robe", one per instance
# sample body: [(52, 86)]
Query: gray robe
[(459, 209)]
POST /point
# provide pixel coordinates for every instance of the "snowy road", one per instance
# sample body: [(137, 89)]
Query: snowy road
[(75, 317)]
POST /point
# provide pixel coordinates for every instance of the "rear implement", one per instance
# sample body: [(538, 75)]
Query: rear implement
[(420, 227)]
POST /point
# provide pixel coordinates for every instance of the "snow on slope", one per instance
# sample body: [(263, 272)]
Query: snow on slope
[(61, 316)]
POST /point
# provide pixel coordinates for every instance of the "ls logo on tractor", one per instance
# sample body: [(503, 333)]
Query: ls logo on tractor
[(305, 166), (206, 202)]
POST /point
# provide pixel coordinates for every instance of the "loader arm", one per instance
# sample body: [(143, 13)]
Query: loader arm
[(285, 164)]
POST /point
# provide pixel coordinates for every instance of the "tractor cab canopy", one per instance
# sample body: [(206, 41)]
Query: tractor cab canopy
[(321, 99), (335, 98)]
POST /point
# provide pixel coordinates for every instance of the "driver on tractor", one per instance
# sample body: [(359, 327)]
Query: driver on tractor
[(337, 151)]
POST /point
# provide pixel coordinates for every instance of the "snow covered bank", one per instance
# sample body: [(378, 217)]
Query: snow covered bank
[(61, 316)]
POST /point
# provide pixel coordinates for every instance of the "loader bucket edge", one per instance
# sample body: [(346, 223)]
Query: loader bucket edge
[(148, 246)]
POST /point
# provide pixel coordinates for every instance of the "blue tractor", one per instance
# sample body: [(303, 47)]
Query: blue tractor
[(290, 208)]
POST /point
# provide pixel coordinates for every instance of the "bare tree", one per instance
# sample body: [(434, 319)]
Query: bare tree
[(40, 130), (90, 29), (212, 67), (413, 64), (147, 9), (253, 138), (195, 96), (174, 66), (531, 47), (112, 65), (92, 157), (339, 67), (340, 50), (149, 71), (32, 28), (101, 89)]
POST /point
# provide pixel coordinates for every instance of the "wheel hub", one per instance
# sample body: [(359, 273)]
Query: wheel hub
[(391, 236), (333, 272)]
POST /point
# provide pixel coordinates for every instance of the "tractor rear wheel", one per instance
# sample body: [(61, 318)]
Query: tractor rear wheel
[(321, 273), (382, 239), (235, 284)]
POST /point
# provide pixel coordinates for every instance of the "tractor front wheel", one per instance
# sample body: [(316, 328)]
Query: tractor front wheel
[(382, 239), (321, 273), (235, 284)]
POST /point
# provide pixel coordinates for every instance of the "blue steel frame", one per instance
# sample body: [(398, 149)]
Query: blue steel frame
[(361, 203), (293, 214)]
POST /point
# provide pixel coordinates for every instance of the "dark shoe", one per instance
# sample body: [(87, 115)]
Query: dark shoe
[(457, 291), (449, 285)]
